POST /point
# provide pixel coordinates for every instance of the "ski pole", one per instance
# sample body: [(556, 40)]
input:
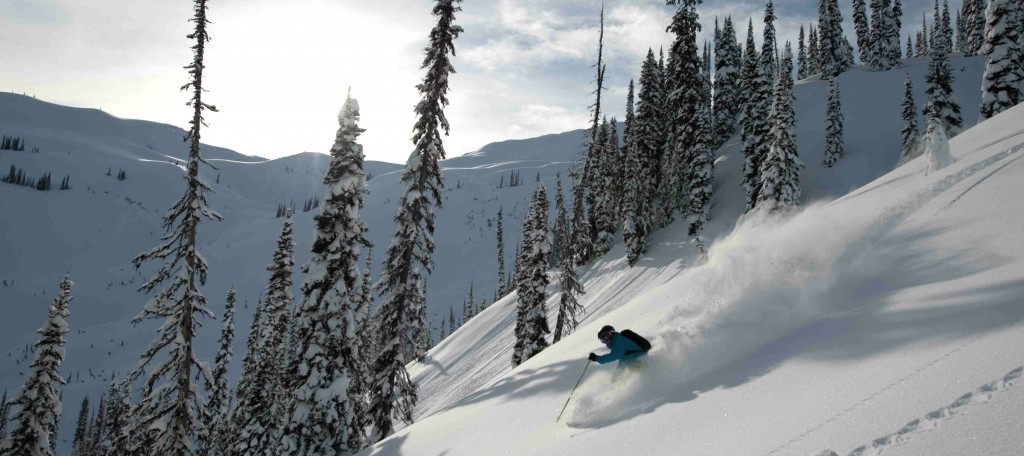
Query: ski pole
[(573, 391)]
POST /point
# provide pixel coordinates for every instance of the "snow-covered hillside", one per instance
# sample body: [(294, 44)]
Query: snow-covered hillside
[(94, 230)]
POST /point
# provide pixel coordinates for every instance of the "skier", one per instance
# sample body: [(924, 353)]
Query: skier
[(627, 347)]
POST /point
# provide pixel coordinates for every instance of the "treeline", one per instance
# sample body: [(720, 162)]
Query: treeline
[(12, 143), (18, 176)]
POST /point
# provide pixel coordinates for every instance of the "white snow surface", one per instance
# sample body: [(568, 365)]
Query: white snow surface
[(883, 316)]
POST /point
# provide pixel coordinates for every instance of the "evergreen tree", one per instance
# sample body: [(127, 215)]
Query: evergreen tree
[(801, 58), (834, 148), (98, 429), (561, 234), (1004, 77), (501, 256), (321, 417), (813, 62), (769, 48), (884, 36), (835, 53), (589, 179), (726, 93), (752, 109), (409, 255), (35, 430), (569, 308), (170, 400), (533, 324), (116, 429), (684, 100), (975, 22), (701, 172), (5, 410), (451, 319), (604, 211), (634, 230), (940, 102), (467, 305), (862, 27), (896, 28), (258, 434), (214, 441), (936, 145), (780, 171), (80, 442), (581, 241), (910, 47), (909, 148), (649, 135)]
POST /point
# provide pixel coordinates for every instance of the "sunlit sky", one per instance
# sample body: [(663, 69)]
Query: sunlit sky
[(279, 70)]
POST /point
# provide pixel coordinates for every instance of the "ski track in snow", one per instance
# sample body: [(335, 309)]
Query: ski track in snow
[(929, 421)]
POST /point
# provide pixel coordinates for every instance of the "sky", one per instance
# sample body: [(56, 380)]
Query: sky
[(279, 71)]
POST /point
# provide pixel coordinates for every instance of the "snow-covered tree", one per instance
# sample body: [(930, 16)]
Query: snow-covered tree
[(940, 101), (262, 407), (975, 20), (728, 60), (215, 439), (753, 108), (834, 51), (35, 428), (813, 62), (780, 170), (116, 429), (5, 413), (501, 255), (581, 241), (80, 442), (97, 429), (603, 211), (884, 39), (834, 148), (701, 172), (532, 325), (468, 305), (936, 145), (686, 96), (1004, 77), (862, 28), (393, 394), (649, 137), (910, 146), (169, 413), (569, 308), (769, 48), (589, 178), (801, 57), (320, 417)]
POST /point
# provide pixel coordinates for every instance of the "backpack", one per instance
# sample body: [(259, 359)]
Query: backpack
[(644, 344)]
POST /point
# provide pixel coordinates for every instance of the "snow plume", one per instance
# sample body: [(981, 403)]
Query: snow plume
[(770, 277)]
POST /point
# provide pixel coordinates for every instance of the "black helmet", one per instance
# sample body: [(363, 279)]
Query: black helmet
[(605, 332)]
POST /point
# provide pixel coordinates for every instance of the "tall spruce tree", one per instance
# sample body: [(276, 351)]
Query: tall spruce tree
[(700, 174), (98, 429), (769, 47), (862, 28), (780, 171), (909, 147), (501, 256), (940, 102), (80, 440), (467, 305), (976, 27), (834, 147), (801, 57), (1004, 78), (116, 429), (5, 413), (393, 394), (532, 311), (590, 174), (755, 109), (604, 212), (726, 86), (834, 51), (321, 416), (561, 233), (685, 98), (169, 412), (885, 44), (215, 439), (634, 230), (35, 428), (569, 308), (258, 434), (813, 62)]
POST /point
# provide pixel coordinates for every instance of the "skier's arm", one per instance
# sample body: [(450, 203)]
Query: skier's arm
[(617, 352)]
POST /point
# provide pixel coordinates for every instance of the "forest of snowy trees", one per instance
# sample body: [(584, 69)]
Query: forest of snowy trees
[(326, 372)]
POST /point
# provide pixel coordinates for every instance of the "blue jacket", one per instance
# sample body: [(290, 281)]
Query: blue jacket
[(622, 349)]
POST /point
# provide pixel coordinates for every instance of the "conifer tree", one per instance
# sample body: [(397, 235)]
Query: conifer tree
[(896, 28), (5, 412), (604, 211), (98, 429), (769, 48), (215, 440), (780, 171), (754, 107), (862, 28), (909, 147), (80, 442), (501, 255), (393, 393), (1003, 81), (258, 434), (834, 148), (561, 234), (975, 22), (813, 62), (801, 58), (581, 241), (569, 307), (910, 47), (940, 102), (533, 326), (589, 178), (467, 305), (726, 85), (649, 135), (35, 428), (169, 412), (936, 145), (885, 44), (634, 230), (321, 417), (451, 319), (116, 428), (835, 53), (685, 98)]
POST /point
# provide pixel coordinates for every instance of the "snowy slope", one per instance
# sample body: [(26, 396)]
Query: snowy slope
[(886, 320), (94, 230)]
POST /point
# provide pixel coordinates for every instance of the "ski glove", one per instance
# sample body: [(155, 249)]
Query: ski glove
[(592, 357)]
